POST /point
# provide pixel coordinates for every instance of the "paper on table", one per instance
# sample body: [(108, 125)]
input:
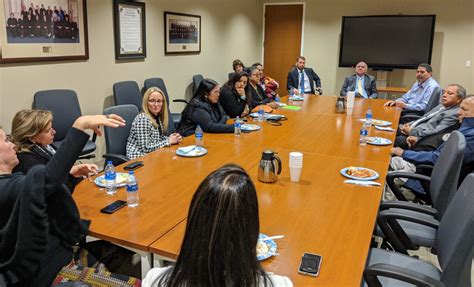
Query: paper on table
[(293, 108)]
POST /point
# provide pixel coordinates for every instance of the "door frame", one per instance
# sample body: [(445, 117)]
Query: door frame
[(263, 25)]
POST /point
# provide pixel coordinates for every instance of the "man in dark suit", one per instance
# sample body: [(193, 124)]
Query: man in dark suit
[(362, 84), (302, 80)]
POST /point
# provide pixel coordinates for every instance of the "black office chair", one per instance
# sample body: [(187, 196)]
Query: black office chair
[(197, 79), (454, 242), (65, 108), (175, 117), (127, 93), (116, 138)]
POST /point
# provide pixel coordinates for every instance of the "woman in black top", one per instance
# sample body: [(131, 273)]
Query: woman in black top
[(255, 91), (233, 96), (204, 110)]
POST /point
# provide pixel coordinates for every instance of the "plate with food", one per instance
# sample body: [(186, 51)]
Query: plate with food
[(191, 151), (378, 141), (266, 248), (120, 180), (359, 173), (379, 123), (249, 127)]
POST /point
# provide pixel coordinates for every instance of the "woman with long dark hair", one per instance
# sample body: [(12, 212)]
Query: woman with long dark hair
[(256, 92), (233, 97), (219, 246), (204, 110)]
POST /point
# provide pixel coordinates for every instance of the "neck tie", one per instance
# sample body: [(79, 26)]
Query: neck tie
[(301, 82), (359, 87)]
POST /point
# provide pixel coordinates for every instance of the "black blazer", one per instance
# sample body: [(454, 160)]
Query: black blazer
[(292, 80), (211, 118), (257, 97), (231, 102)]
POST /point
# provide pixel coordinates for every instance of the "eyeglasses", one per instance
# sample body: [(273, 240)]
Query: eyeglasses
[(154, 102)]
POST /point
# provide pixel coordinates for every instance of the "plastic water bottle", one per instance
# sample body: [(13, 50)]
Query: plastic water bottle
[(363, 135), (199, 135), (237, 127), (368, 117), (260, 114), (110, 179), (132, 190)]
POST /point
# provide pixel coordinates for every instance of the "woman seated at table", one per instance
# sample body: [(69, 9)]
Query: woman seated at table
[(255, 91), (33, 134), (233, 98), (148, 129), (219, 245), (204, 110), (269, 85)]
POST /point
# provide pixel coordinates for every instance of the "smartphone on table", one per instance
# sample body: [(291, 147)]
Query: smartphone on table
[(310, 264), (113, 207)]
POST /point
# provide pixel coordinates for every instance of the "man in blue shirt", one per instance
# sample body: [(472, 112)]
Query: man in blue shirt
[(362, 84), (419, 95)]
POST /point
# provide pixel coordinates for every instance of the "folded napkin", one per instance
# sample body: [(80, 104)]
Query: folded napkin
[(186, 149)]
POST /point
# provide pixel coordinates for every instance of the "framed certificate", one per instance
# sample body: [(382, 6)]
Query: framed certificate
[(130, 31)]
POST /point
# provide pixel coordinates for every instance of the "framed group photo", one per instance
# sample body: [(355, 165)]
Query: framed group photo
[(43, 30), (182, 33), (130, 30)]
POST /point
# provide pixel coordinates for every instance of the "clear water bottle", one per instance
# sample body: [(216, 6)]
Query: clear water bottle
[(198, 135), (110, 179), (261, 114), (237, 127), (132, 190), (363, 135), (368, 117)]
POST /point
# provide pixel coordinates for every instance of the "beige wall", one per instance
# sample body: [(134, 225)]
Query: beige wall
[(229, 30), (453, 43)]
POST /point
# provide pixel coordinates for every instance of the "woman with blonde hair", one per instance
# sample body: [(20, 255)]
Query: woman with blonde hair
[(33, 134), (149, 127)]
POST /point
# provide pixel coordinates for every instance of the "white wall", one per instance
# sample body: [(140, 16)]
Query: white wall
[(453, 42), (229, 30)]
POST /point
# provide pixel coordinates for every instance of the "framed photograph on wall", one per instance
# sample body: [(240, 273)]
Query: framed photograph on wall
[(36, 31), (130, 30), (182, 33)]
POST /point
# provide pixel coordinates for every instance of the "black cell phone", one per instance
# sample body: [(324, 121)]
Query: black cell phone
[(113, 207), (310, 264), (133, 165)]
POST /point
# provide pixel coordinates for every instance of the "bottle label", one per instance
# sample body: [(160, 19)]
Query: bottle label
[(237, 125), (110, 175), (198, 135), (132, 188)]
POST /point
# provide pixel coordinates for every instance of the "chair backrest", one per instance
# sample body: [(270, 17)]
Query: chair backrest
[(127, 93), (455, 237), (159, 83), (116, 138), (65, 108), (445, 175), (197, 79), (435, 99)]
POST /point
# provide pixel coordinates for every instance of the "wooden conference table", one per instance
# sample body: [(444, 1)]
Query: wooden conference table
[(319, 214)]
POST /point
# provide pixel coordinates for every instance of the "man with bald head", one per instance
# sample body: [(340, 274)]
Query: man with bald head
[(362, 84)]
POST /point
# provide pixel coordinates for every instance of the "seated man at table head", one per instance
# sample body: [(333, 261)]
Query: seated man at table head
[(268, 84), (39, 220), (255, 91), (420, 93), (303, 80), (33, 134), (361, 83), (148, 131), (233, 97), (412, 158), (223, 214), (204, 110), (441, 117)]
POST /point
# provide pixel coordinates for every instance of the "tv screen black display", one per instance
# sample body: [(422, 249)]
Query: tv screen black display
[(387, 42)]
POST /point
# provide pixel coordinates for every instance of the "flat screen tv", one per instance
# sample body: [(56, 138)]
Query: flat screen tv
[(387, 41)]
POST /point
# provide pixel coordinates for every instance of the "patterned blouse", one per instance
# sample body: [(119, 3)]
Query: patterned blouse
[(144, 137)]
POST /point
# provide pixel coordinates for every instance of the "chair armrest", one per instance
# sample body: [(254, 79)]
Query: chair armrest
[(400, 174), (180, 101), (116, 159), (410, 117), (398, 273), (394, 233), (384, 205), (425, 166)]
